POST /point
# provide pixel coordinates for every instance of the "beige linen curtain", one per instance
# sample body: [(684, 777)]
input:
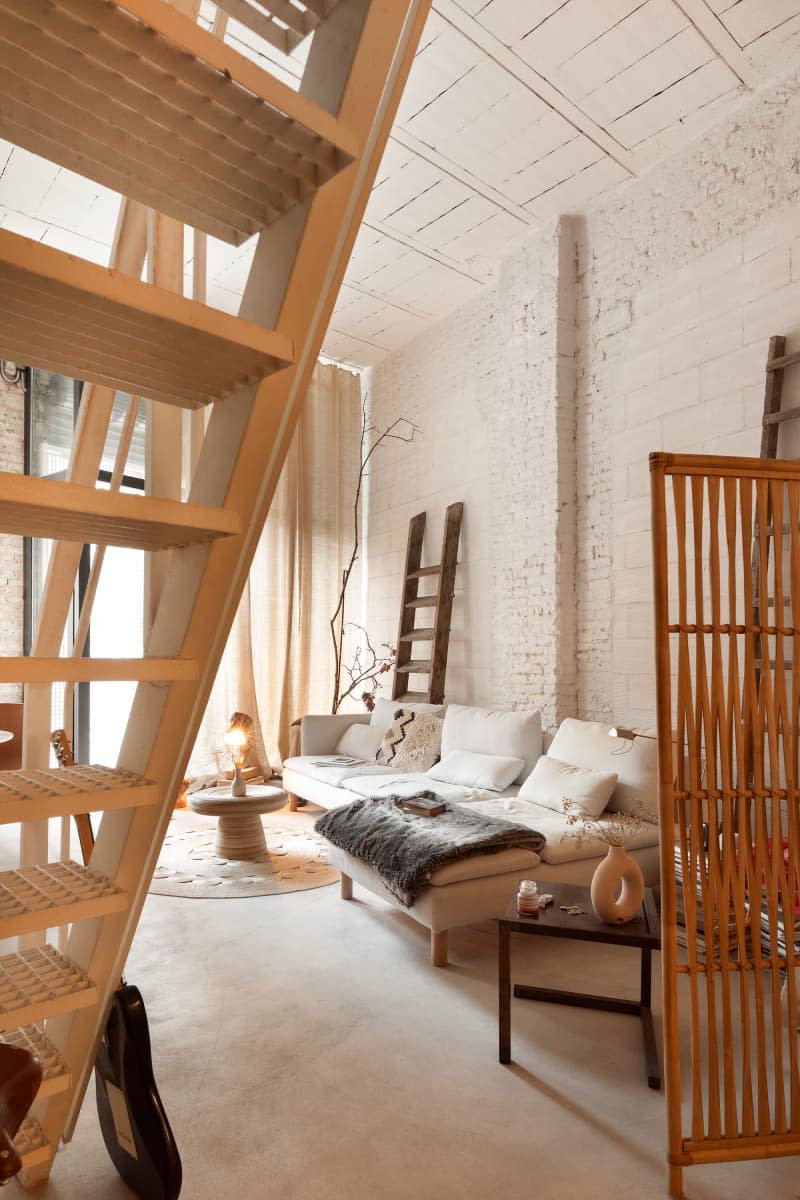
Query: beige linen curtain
[(278, 663)]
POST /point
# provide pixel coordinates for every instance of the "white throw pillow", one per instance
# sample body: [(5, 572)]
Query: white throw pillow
[(551, 782), (588, 744), (467, 768), (359, 740), (382, 714), (508, 734)]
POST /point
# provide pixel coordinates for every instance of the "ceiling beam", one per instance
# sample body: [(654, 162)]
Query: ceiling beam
[(431, 252), (447, 167), (724, 45), (510, 62)]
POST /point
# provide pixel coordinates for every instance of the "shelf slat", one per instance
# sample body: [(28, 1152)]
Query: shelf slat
[(38, 898), (39, 793), (141, 99), (96, 670), (40, 983), (48, 508), (68, 315), (56, 1075)]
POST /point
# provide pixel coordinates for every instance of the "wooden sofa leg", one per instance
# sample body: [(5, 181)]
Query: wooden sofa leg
[(439, 948), (346, 885), (293, 801)]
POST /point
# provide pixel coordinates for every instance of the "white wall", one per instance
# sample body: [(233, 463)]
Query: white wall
[(539, 406)]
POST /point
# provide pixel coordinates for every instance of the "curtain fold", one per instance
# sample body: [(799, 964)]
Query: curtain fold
[(278, 663)]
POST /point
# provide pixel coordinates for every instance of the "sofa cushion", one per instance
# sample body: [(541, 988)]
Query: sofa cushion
[(362, 741), (492, 772), (589, 744), (511, 734), (412, 741), (411, 783), (327, 769), (478, 866), (561, 838), (551, 782), (383, 713)]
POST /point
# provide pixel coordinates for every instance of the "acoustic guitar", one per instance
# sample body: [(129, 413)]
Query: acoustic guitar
[(133, 1122), (20, 1076)]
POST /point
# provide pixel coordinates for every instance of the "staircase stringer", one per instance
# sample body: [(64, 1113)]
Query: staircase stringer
[(246, 442)]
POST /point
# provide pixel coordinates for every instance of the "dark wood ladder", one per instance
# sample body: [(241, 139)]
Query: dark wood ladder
[(441, 601)]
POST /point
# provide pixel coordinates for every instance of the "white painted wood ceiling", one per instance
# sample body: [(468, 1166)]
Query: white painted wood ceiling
[(515, 110)]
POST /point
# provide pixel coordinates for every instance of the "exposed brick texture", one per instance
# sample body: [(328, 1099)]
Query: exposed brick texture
[(539, 402)]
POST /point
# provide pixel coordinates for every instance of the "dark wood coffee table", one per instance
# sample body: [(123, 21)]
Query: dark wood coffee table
[(643, 931)]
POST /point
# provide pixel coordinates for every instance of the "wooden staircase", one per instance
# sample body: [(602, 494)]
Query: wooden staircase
[(437, 635), (138, 97)]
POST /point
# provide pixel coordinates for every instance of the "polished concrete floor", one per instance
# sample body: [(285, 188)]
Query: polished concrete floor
[(305, 1049)]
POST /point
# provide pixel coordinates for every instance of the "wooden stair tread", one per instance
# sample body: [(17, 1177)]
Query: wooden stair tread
[(56, 1075), (37, 507), (143, 100), (36, 793), (43, 897), (418, 635), (70, 316), (39, 983), (35, 669), (415, 666), (296, 19), (32, 1144)]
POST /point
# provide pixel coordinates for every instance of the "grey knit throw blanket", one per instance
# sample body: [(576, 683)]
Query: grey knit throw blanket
[(406, 849)]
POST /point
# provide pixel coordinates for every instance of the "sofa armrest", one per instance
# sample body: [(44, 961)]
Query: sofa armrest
[(319, 734)]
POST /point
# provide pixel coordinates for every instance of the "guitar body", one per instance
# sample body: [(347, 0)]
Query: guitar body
[(134, 1125)]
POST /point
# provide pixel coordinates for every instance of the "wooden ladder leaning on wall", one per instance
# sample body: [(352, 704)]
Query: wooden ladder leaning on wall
[(441, 601), (293, 168)]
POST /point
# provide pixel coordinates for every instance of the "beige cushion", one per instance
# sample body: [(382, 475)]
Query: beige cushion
[(478, 866), (510, 734), (383, 712), (588, 744), (362, 741), (551, 782), (422, 744), (489, 772)]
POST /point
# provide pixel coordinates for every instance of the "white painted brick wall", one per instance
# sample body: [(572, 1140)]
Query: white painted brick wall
[(682, 276), (11, 580)]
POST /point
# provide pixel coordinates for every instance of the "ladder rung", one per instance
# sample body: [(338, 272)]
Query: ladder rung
[(56, 1075), (418, 635), (414, 667), (423, 602), (777, 418), (39, 983), (412, 698), (37, 793), (95, 670), (785, 360), (31, 1143), (142, 99), (90, 323), (38, 898), (73, 512), (423, 571)]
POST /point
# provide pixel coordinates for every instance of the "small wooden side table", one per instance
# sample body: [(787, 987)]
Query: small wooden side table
[(240, 834), (643, 931)]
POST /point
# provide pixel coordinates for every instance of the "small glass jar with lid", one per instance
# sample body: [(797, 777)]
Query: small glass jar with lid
[(528, 898)]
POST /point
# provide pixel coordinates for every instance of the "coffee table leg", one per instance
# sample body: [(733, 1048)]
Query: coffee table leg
[(648, 1031), (240, 836), (504, 992)]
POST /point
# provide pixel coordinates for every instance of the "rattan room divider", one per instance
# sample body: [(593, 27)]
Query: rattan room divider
[(728, 698)]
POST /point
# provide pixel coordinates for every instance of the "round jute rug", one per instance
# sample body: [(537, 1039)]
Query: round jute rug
[(296, 859)]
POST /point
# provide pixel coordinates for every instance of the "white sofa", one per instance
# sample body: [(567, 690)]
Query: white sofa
[(481, 887)]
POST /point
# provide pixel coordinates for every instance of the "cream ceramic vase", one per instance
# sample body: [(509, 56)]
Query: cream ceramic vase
[(617, 868)]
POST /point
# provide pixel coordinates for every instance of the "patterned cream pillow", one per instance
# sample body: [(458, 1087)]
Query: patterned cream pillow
[(412, 742)]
